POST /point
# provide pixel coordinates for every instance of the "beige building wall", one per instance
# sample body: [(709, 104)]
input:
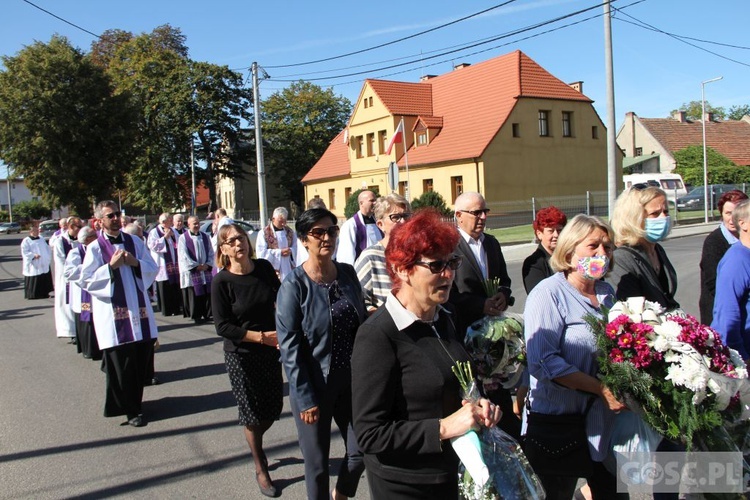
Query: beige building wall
[(633, 135)]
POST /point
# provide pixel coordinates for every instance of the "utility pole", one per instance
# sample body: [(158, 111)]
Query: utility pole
[(259, 149), (192, 174), (612, 180), (10, 204)]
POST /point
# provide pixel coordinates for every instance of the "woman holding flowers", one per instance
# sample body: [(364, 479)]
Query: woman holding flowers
[(561, 352), (642, 269), (406, 399)]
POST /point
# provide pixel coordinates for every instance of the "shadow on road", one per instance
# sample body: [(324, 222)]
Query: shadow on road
[(186, 344), (191, 372), (22, 313), (10, 284), (180, 406)]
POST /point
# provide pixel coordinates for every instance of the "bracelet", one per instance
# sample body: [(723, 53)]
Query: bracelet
[(262, 337)]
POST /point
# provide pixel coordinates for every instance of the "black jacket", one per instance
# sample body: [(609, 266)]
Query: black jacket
[(536, 268), (634, 276), (714, 247)]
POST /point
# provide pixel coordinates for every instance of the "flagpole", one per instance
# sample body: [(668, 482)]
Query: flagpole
[(406, 159)]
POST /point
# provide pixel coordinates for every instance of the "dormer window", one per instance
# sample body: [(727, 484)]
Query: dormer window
[(422, 138)]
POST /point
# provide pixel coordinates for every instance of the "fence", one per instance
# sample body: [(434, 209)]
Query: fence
[(522, 212)]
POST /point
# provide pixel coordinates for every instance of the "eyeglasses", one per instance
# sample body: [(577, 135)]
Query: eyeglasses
[(476, 213), (233, 240), (399, 217), (113, 215), (319, 232), (438, 266)]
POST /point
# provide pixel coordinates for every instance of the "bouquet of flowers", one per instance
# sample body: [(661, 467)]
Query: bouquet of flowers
[(672, 370), (497, 346), (493, 467)]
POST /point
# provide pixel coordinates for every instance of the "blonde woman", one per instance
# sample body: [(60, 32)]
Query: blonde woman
[(243, 294), (642, 269)]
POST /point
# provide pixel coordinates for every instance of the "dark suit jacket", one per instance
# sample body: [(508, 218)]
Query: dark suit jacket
[(468, 293), (634, 276), (714, 247), (536, 268)]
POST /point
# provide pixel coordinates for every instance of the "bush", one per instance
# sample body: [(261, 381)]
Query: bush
[(432, 199), (352, 204), (31, 209)]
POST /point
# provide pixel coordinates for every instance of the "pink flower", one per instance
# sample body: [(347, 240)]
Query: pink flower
[(625, 340), (616, 355)]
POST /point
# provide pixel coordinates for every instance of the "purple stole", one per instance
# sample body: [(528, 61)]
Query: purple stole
[(197, 277), (119, 303), (361, 233), (66, 248), (173, 270), (85, 296)]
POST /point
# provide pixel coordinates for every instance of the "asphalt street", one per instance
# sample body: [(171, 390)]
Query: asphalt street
[(54, 442)]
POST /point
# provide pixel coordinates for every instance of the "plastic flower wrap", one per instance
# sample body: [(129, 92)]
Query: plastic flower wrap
[(493, 467), (497, 346), (672, 370)]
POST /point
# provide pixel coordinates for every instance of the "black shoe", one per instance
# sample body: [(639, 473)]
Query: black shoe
[(136, 421), (271, 491)]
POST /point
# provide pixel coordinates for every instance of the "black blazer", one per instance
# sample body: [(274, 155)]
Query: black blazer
[(536, 268), (634, 276), (714, 247), (467, 293)]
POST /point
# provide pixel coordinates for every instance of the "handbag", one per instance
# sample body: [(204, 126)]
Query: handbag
[(557, 445)]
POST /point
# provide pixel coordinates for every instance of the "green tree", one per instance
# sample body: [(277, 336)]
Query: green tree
[(431, 199), (299, 123), (61, 127), (152, 71), (736, 112), (31, 209), (721, 170), (694, 111)]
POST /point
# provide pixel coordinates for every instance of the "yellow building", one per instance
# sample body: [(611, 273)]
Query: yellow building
[(504, 127)]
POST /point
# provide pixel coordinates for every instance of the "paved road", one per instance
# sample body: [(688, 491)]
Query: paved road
[(54, 443)]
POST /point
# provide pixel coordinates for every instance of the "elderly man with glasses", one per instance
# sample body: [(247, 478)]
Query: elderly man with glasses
[(482, 260)]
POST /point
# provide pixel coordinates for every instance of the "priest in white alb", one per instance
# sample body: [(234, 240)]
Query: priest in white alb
[(65, 321), (80, 299), (277, 243), (117, 271), (195, 255)]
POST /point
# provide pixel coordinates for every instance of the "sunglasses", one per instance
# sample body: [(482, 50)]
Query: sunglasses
[(476, 213), (319, 232), (233, 240), (113, 215), (438, 266), (399, 217)]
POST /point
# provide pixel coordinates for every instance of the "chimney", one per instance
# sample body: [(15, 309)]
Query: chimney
[(577, 86), (679, 116), (630, 117), (424, 78), (461, 65), (708, 117)]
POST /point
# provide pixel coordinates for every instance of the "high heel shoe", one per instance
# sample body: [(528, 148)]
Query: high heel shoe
[(270, 491)]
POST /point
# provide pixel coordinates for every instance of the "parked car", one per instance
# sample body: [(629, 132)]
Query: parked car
[(694, 199), (10, 228), (47, 228), (672, 184), (252, 231)]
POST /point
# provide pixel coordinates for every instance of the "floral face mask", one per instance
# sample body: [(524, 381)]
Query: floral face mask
[(593, 268)]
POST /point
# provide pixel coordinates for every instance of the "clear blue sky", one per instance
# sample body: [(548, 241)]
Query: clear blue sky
[(654, 73)]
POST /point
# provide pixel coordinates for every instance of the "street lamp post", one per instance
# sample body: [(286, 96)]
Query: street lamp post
[(705, 162)]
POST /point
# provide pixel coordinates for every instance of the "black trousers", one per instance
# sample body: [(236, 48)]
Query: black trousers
[(315, 440), (170, 298), (603, 485), (196, 307), (383, 489), (126, 367)]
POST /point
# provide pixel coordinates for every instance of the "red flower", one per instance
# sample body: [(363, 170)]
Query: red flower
[(616, 355)]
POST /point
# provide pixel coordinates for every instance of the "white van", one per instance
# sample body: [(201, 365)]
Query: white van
[(672, 184)]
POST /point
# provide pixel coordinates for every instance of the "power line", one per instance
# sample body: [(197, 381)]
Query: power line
[(414, 35), (472, 45), (644, 25), (62, 19)]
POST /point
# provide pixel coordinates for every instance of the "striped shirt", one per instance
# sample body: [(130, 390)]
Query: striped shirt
[(558, 343), (373, 275)]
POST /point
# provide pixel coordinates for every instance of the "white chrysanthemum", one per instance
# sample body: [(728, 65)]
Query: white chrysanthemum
[(672, 357), (669, 330), (654, 306), (660, 343)]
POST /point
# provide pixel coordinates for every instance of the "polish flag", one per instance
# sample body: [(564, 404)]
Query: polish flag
[(398, 137)]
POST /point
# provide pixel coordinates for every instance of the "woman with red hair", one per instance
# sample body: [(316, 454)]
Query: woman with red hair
[(547, 226), (406, 400), (715, 246)]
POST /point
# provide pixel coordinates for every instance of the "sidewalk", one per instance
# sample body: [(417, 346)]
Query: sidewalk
[(517, 253)]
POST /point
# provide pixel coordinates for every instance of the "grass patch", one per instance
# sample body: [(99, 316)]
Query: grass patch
[(517, 234)]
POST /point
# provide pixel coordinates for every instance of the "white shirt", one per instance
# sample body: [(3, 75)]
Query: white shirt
[(477, 249)]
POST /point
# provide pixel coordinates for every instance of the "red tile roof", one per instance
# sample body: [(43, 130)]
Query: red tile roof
[(473, 103), (730, 138), (333, 163)]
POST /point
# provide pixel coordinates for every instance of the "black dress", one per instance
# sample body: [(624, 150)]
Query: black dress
[(241, 303), (714, 247)]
